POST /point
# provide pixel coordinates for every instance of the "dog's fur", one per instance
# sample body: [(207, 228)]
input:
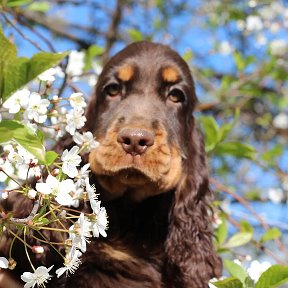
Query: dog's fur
[(150, 170)]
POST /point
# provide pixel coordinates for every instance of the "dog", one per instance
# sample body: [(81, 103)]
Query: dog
[(151, 173)]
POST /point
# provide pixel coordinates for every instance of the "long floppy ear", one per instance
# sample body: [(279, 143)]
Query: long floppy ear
[(191, 258)]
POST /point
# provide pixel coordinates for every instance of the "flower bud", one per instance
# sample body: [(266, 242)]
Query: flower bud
[(55, 172), (32, 194), (38, 249), (11, 263)]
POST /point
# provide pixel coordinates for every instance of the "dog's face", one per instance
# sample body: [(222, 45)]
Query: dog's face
[(144, 99)]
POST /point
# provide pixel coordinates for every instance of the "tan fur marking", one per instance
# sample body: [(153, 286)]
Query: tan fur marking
[(125, 73), (117, 254), (170, 74), (161, 166)]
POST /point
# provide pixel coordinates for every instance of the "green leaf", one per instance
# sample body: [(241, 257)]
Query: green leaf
[(249, 283), (246, 226), (42, 221), (10, 129), (17, 3), (17, 72), (135, 35), (276, 151), (226, 128), (235, 270), (42, 6), (211, 132), (271, 234), (221, 233), (7, 49), (273, 277), (239, 61), (238, 239), (50, 157), (92, 52), (228, 283), (236, 149)]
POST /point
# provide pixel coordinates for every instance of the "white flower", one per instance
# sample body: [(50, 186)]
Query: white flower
[(79, 232), (101, 224), (252, 3), (75, 120), (26, 155), (77, 100), (59, 72), (4, 263), (15, 158), (82, 175), (240, 25), (75, 63), (71, 160), (61, 190), (261, 39), (30, 125), (91, 190), (281, 121), (254, 23), (225, 48), (48, 75), (39, 277), (86, 139), (17, 100), (256, 269), (71, 262), (279, 47), (275, 195), (7, 167), (32, 194), (37, 108)]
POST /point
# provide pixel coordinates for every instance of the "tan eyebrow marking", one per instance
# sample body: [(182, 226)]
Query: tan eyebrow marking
[(170, 74), (125, 73)]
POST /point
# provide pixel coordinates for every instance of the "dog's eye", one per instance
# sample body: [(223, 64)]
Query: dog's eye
[(113, 89), (176, 95)]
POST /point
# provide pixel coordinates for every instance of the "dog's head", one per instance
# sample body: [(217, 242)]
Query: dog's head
[(140, 115)]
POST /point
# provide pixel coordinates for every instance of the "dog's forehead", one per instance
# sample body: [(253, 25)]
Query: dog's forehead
[(150, 59)]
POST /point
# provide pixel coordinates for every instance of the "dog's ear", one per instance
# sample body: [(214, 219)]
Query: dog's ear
[(191, 258)]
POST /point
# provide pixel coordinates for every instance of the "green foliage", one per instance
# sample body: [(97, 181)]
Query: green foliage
[(16, 72), (135, 35), (42, 6), (236, 149), (11, 129), (271, 234), (215, 136), (229, 283), (271, 155), (275, 276), (236, 270), (238, 239), (90, 54), (221, 233), (15, 3)]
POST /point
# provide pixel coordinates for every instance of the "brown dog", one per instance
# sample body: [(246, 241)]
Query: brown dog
[(150, 170)]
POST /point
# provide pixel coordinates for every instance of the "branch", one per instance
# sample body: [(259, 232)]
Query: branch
[(112, 33), (30, 217), (247, 205), (57, 26)]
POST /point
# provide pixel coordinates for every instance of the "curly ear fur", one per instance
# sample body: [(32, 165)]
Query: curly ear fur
[(191, 257)]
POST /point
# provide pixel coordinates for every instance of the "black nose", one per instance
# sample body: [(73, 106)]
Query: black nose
[(135, 141)]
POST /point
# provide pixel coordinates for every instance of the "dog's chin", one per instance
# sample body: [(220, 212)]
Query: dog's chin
[(132, 177)]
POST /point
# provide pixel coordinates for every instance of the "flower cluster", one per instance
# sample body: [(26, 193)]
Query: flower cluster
[(67, 184)]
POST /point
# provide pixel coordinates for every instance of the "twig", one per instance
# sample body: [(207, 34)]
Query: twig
[(31, 215), (21, 33), (247, 205)]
